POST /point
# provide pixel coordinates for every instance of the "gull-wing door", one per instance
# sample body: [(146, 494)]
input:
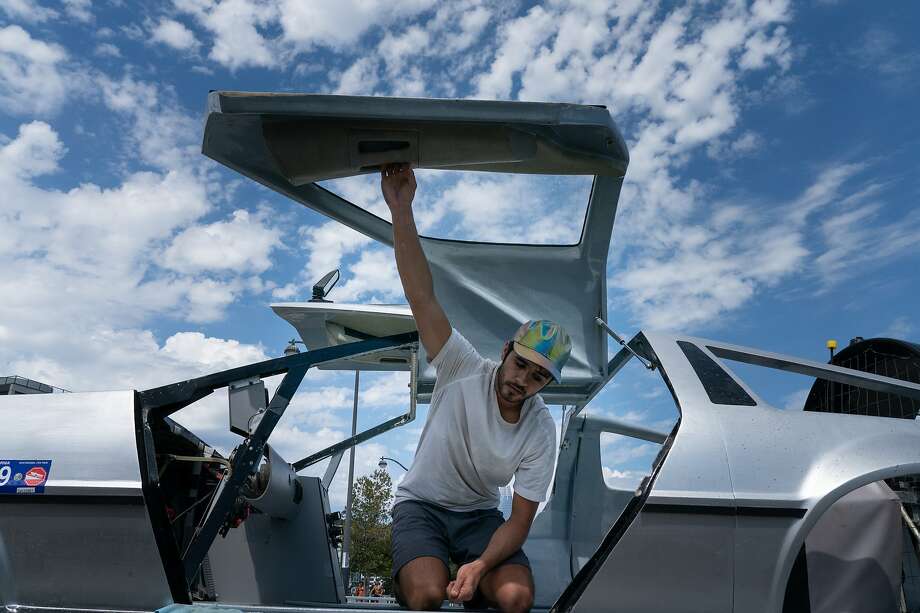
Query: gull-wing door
[(323, 324), (290, 142)]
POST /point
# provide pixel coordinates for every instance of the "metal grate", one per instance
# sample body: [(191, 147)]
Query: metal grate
[(878, 356)]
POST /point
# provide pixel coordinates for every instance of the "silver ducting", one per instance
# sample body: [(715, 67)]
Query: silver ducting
[(274, 489)]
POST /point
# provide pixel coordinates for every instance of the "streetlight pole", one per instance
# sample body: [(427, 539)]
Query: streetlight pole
[(382, 464), (346, 536)]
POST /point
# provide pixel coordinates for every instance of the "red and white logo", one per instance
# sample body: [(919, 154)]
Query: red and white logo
[(35, 476)]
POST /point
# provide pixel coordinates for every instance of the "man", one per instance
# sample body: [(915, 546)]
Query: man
[(485, 424)]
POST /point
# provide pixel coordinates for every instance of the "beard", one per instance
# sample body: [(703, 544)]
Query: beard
[(508, 391)]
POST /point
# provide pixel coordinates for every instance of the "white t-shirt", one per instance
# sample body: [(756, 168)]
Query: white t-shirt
[(467, 450)]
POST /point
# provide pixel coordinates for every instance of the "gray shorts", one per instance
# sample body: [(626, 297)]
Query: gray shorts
[(424, 529)]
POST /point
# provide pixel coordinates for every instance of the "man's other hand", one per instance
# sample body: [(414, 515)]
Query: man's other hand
[(464, 586), (398, 184)]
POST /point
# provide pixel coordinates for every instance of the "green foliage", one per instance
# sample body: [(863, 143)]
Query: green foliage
[(370, 526)]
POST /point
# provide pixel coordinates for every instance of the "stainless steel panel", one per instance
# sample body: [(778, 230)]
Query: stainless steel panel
[(270, 561), (667, 562), (81, 554), (89, 438)]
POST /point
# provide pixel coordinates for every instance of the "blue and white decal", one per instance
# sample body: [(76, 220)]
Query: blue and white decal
[(24, 476)]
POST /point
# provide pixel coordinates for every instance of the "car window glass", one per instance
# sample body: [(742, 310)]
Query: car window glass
[(635, 396), (484, 206)]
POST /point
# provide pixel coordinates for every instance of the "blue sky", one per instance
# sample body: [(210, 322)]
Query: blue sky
[(771, 198)]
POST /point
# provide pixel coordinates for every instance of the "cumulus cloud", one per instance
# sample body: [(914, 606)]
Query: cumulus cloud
[(243, 243), (81, 10), (237, 28), (36, 150), (33, 79), (174, 34), (306, 24), (86, 255), (695, 270), (107, 50), (373, 279), (158, 131), (623, 479), (27, 11)]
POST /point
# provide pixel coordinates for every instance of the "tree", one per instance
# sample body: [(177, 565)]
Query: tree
[(370, 526)]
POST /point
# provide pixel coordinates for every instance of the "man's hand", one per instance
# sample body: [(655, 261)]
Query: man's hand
[(463, 588), (398, 184)]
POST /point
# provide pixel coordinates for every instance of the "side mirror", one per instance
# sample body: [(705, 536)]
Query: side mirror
[(248, 400)]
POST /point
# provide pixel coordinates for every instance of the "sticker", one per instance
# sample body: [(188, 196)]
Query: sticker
[(24, 476)]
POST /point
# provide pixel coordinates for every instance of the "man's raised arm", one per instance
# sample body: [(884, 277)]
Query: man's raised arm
[(398, 184)]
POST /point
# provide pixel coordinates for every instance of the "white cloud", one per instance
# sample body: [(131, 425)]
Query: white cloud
[(98, 358), (36, 150), (158, 131), (520, 40), (236, 26), (85, 255), (623, 479), (759, 48), (901, 328), (846, 234), (32, 77), (360, 78), (394, 48), (306, 24), (473, 20), (694, 270), (489, 207), (27, 10), (387, 390), (243, 243), (107, 50), (211, 353), (373, 279), (174, 34), (81, 10), (327, 245)]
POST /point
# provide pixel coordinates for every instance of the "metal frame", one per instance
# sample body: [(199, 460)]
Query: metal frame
[(160, 402), (370, 433)]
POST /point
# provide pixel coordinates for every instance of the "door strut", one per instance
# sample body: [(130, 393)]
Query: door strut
[(624, 344)]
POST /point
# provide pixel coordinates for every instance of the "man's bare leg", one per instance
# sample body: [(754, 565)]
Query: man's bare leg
[(510, 587), (422, 583)]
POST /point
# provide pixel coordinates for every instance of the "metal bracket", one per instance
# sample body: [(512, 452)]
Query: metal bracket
[(332, 468), (624, 344)]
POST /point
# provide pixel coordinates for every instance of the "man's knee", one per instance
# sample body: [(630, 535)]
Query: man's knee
[(514, 598), (421, 597), (421, 584)]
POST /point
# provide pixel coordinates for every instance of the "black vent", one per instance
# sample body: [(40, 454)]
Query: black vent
[(719, 385)]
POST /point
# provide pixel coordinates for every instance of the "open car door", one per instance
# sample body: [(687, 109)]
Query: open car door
[(289, 142)]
